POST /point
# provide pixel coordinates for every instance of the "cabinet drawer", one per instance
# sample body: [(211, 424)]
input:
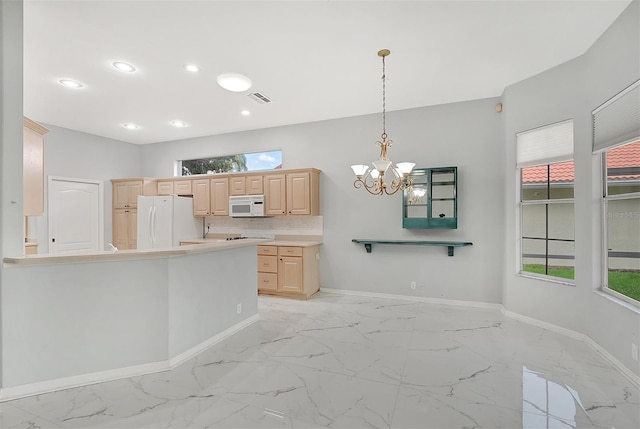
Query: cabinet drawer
[(182, 187), (165, 188), (289, 251), (268, 250), (267, 281), (268, 264)]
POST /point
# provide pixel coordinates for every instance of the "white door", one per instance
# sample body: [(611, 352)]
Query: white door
[(75, 215)]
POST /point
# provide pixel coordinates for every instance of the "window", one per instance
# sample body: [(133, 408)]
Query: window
[(622, 220), (616, 135), (547, 241), (232, 163)]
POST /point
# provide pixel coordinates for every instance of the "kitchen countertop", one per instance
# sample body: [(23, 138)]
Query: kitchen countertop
[(204, 246), (297, 241)]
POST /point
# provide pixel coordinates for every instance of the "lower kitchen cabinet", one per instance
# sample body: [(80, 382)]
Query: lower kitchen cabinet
[(125, 228), (290, 271)]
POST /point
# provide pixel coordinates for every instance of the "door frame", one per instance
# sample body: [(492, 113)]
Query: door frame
[(51, 179)]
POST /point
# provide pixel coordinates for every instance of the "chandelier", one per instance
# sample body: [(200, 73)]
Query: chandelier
[(373, 180)]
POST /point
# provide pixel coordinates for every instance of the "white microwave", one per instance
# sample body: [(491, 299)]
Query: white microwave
[(246, 206)]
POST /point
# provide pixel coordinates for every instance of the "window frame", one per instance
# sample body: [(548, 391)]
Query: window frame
[(606, 198), (178, 170), (543, 202)]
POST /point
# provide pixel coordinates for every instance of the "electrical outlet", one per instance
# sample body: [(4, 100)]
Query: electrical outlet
[(634, 351), (239, 308), (413, 285), (317, 256)]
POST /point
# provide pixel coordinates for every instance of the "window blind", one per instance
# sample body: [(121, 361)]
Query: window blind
[(617, 121), (545, 145)]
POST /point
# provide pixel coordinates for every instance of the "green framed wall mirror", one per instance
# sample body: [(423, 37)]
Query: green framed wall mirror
[(432, 200)]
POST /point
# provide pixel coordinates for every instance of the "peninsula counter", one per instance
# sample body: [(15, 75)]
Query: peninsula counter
[(80, 319)]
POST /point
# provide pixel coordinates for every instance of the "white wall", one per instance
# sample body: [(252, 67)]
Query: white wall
[(75, 154), (573, 90), (467, 135), (11, 101)]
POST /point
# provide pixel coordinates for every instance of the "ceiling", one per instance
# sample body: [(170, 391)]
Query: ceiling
[(316, 60)]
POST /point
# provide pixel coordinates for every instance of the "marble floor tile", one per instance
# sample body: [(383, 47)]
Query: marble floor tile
[(353, 362)]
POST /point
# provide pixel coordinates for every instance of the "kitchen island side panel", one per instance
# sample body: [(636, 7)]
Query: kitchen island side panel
[(64, 320), (204, 293)]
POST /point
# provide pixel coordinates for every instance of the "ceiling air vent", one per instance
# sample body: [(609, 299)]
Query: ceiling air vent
[(259, 98)]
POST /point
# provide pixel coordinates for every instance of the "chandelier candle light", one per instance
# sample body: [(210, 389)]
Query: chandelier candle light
[(373, 180)]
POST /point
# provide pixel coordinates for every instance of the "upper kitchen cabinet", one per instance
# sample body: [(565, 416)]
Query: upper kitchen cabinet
[(238, 185), (177, 187), (275, 197), (255, 185), (245, 184), (33, 168), (201, 198), (220, 196), (296, 192), (126, 191)]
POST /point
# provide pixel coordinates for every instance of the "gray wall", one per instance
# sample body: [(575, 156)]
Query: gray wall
[(466, 135), (11, 101), (75, 154), (573, 90)]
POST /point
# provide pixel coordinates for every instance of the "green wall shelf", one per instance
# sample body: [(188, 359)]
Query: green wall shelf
[(450, 245)]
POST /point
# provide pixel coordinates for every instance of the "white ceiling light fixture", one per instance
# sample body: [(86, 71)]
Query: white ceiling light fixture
[(124, 67), (245, 113), (191, 67), (70, 83), (178, 124), (234, 82), (131, 126), (373, 180)]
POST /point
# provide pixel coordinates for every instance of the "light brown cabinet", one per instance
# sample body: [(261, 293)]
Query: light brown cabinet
[(182, 187), (238, 185), (290, 271), (201, 203), (292, 193), (220, 196), (165, 187), (175, 187), (267, 268), (33, 167), (254, 185), (275, 197), (125, 228), (245, 185), (125, 213)]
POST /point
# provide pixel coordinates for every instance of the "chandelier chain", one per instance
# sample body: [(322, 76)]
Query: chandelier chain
[(384, 104)]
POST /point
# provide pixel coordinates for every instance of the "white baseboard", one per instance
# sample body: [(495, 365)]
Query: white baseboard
[(17, 392), (193, 351), (630, 375), (626, 372), (474, 304)]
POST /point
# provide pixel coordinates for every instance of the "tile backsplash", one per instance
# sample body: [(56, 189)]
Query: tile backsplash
[(265, 227)]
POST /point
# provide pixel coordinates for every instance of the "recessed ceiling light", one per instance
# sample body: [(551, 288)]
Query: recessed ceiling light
[(131, 126), (234, 82), (245, 113), (70, 83), (191, 67), (178, 124), (124, 67)]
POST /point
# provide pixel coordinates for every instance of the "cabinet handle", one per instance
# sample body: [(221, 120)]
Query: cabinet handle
[(282, 211)]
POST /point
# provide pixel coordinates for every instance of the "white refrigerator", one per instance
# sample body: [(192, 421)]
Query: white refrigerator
[(164, 221)]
